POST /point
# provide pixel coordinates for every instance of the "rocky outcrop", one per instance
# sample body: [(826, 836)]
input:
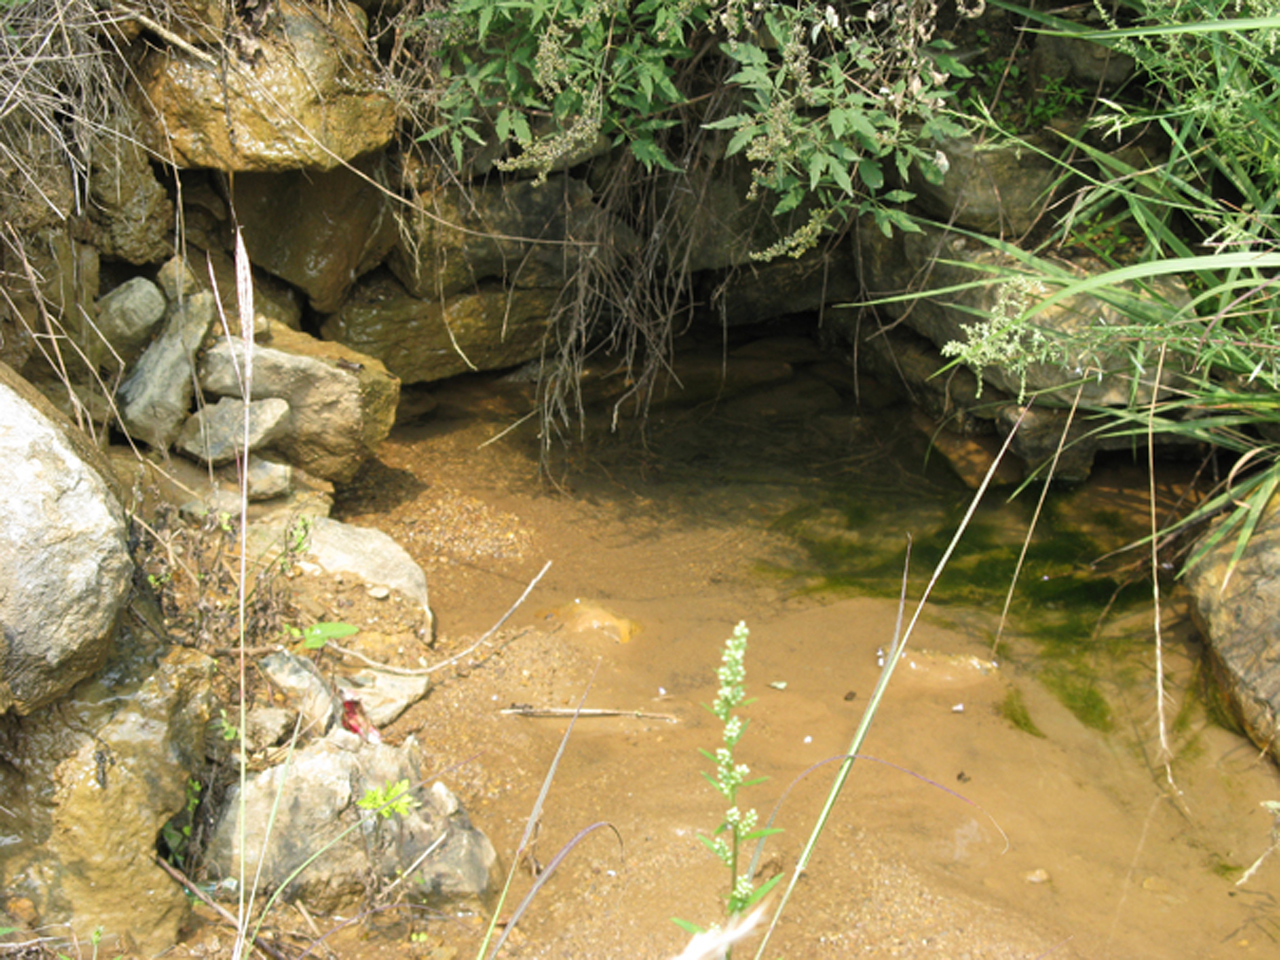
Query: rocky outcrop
[(92, 782), (893, 266), (526, 235), (65, 571), (341, 226), (423, 340), (1000, 190), (303, 91), (1238, 612)]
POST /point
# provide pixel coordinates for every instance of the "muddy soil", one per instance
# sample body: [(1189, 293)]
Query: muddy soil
[(963, 834)]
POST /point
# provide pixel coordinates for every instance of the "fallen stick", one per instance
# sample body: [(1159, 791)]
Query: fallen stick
[(218, 908), (529, 710)]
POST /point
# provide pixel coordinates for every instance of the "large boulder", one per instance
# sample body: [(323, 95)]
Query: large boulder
[(131, 212), (301, 89), (424, 340), (90, 783), (1238, 612), (342, 403), (340, 227), (65, 570)]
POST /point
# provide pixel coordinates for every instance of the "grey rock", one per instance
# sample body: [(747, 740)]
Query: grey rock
[(65, 569), (384, 696), (341, 226), (317, 796), (131, 210), (370, 555), (1080, 61), (217, 435), (1000, 190), (308, 692), (128, 315), (341, 407), (156, 398), (464, 238), (178, 280), (895, 265), (268, 479), (268, 726)]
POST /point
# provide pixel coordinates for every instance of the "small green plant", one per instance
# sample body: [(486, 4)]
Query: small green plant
[(393, 799), (1055, 98), (229, 730), (177, 832), (739, 827), (317, 635), (1014, 709)]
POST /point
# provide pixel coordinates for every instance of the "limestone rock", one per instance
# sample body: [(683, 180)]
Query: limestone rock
[(371, 555), (1081, 61), (65, 570), (274, 302), (216, 434), (421, 341), (90, 785), (997, 190), (268, 479), (130, 209), (526, 235), (758, 292), (317, 797), (340, 227), (384, 696), (156, 397), (343, 403), (307, 693), (1240, 619), (307, 94), (715, 226), (894, 265), (127, 316)]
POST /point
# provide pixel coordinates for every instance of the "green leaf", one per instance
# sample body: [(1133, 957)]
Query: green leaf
[(871, 174), (318, 634), (740, 139), (647, 151), (690, 928)]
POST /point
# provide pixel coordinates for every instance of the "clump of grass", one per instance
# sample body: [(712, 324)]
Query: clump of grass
[(1014, 709)]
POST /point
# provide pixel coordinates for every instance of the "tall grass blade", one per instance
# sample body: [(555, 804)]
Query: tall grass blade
[(530, 825), (900, 640)]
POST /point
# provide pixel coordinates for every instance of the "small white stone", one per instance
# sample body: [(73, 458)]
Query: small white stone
[(958, 708), (1040, 875), (379, 593)]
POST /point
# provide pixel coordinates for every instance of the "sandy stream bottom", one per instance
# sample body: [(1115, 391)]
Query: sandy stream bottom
[(971, 839)]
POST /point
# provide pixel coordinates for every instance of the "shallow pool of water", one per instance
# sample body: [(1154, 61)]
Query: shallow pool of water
[(1018, 805)]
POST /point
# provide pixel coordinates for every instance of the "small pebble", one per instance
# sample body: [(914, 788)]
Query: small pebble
[(958, 708), (379, 593), (1036, 876)]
